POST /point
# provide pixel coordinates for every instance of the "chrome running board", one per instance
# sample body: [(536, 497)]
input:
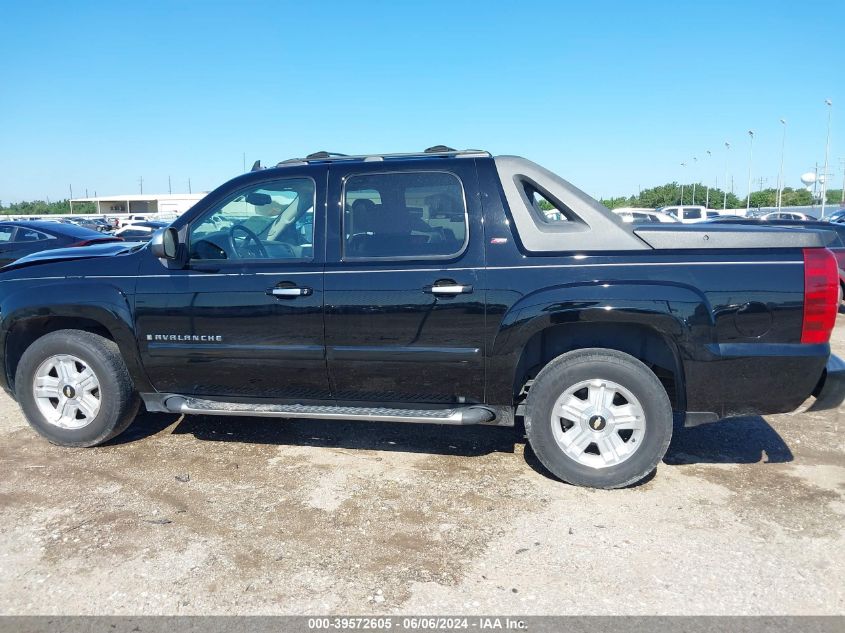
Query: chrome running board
[(458, 415)]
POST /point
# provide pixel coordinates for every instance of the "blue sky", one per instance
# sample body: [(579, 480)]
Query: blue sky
[(611, 95)]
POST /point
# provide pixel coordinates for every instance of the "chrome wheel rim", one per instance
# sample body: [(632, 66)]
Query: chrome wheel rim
[(598, 423), (67, 391)]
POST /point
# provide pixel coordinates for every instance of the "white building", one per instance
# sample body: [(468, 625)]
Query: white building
[(163, 203)]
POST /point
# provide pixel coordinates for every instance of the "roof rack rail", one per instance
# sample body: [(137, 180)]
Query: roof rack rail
[(438, 151), (324, 154)]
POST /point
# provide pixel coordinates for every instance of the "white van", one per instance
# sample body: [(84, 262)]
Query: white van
[(689, 213)]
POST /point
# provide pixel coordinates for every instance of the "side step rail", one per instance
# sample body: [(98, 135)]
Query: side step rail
[(459, 415)]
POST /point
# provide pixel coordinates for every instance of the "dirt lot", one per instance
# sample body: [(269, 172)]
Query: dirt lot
[(237, 516)]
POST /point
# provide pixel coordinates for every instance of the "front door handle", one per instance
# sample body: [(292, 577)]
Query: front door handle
[(294, 291), (447, 287)]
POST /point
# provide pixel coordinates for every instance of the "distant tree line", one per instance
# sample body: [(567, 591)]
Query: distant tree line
[(670, 194), (39, 207)]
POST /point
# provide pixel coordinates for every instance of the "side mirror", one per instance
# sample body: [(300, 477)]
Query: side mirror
[(165, 243)]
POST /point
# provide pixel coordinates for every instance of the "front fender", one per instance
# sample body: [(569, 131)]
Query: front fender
[(105, 304), (679, 314)]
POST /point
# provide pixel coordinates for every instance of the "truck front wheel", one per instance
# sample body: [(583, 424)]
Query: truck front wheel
[(74, 388), (598, 418)]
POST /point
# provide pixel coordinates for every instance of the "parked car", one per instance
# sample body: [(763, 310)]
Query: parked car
[(18, 239), (60, 220), (88, 223), (104, 225), (787, 215), (133, 218), (836, 216), (139, 230), (427, 288), (643, 216), (120, 222), (689, 213)]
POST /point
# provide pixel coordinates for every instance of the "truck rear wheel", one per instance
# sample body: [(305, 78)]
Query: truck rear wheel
[(598, 418), (74, 388)]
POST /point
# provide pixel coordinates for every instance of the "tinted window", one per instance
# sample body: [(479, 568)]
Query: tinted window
[(411, 214), (271, 220), (136, 234), (30, 235)]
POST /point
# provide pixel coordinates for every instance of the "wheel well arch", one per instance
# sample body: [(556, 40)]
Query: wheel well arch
[(644, 343), (25, 332)]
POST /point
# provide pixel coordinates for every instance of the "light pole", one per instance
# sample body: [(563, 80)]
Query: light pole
[(707, 195), (780, 174), (694, 172), (682, 185), (750, 156), (725, 198), (829, 105)]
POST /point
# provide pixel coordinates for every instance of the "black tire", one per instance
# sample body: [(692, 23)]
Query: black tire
[(568, 370), (118, 400)]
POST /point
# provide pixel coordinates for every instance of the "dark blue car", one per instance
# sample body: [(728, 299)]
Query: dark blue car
[(18, 239), (837, 216)]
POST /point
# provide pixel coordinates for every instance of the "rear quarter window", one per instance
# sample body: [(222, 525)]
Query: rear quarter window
[(30, 235), (545, 210)]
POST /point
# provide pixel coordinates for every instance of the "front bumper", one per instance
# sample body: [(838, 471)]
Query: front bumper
[(830, 392)]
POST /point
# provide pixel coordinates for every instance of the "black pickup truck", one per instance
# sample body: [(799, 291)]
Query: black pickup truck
[(446, 287)]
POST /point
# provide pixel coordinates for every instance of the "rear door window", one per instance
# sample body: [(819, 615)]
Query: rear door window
[(6, 233), (419, 215)]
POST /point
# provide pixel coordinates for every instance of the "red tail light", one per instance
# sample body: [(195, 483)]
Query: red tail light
[(821, 295)]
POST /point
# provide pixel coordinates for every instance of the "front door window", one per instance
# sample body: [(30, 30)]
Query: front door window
[(271, 220)]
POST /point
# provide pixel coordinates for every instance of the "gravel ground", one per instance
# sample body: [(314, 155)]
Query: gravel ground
[(207, 515)]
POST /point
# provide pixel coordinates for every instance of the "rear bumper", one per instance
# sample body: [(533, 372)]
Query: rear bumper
[(830, 392), (757, 379)]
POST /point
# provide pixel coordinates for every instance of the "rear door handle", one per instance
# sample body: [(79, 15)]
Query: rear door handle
[(451, 290), (295, 291)]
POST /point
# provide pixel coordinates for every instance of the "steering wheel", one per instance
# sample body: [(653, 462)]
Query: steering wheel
[(255, 252)]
